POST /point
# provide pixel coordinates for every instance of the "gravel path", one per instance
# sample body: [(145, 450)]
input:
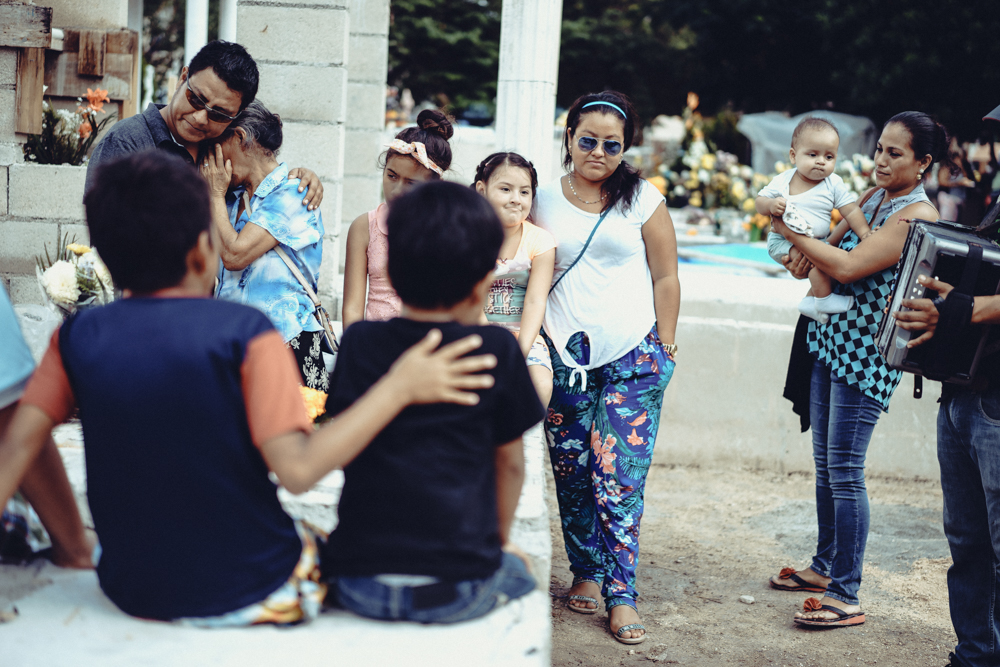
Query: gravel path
[(712, 536)]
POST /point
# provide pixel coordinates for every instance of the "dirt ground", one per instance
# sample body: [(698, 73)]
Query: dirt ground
[(711, 536)]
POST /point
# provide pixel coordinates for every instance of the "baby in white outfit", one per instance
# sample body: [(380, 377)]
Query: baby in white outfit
[(804, 197)]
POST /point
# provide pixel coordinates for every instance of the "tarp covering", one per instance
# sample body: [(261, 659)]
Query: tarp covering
[(770, 135)]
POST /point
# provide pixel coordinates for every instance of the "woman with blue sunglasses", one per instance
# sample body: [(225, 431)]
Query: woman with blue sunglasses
[(610, 321)]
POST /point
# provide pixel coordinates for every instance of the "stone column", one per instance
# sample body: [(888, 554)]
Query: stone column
[(227, 20), (195, 28), (366, 81), (526, 86), (301, 50)]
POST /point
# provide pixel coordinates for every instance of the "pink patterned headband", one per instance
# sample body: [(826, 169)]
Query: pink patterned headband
[(418, 151)]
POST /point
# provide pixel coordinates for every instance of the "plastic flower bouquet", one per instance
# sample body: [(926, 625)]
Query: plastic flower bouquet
[(74, 280), (67, 136)]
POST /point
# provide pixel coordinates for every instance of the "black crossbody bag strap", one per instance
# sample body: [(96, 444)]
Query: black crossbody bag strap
[(585, 246)]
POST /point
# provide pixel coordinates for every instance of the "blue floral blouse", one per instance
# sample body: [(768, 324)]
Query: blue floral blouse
[(267, 284)]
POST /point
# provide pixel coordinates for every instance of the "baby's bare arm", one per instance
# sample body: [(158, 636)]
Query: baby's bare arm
[(856, 219), (770, 205)]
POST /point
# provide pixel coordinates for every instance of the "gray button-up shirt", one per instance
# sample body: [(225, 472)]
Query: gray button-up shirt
[(139, 133)]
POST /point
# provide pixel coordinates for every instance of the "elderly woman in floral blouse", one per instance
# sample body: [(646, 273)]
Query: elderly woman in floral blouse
[(249, 185)]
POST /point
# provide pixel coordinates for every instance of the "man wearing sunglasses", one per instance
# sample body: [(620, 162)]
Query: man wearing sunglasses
[(212, 92)]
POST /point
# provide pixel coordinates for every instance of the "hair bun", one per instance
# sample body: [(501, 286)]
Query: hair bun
[(434, 120)]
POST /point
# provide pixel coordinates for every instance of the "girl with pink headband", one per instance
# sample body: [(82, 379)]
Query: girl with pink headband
[(417, 154)]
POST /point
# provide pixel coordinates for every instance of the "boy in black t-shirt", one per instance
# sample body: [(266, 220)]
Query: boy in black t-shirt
[(426, 509)]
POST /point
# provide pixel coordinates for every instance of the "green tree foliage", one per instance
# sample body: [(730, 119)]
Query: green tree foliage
[(855, 56), (869, 58), (445, 50)]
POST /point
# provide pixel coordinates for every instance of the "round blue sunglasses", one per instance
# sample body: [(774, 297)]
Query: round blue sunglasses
[(611, 147)]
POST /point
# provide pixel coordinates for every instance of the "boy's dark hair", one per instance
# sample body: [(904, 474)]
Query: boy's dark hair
[(433, 130), (444, 238), (486, 168), (145, 212), (812, 123), (622, 187), (262, 128), (232, 63)]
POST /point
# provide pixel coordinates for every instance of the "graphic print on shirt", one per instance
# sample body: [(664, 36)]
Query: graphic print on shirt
[(510, 274)]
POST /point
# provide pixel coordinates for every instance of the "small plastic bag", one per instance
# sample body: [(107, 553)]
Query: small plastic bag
[(37, 324)]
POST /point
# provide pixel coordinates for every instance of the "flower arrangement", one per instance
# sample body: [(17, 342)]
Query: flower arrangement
[(315, 401), (75, 279), (67, 136)]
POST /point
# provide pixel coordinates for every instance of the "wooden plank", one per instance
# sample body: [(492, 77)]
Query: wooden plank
[(30, 78), (118, 41), (25, 26), (130, 107), (63, 81), (90, 61), (123, 41)]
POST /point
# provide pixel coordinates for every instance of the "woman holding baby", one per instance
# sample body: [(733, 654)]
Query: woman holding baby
[(851, 384)]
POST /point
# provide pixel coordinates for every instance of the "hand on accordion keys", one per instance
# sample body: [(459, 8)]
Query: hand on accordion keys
[(924, 314)]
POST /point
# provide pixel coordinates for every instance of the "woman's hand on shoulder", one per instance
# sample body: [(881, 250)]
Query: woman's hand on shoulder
[(310, 184)]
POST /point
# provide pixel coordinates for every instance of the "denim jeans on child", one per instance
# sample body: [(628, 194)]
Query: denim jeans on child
[(843, 419), (601, 442), (443, 602), (969, 455)]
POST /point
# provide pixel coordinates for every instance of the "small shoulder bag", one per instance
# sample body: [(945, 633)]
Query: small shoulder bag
[(323, 317)]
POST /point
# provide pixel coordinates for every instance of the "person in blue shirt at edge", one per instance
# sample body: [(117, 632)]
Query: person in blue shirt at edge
[(212, 92), (187, 403), (968, 431), (244, 160), (426, 510)]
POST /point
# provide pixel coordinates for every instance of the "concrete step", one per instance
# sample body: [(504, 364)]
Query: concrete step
[(64, 618)]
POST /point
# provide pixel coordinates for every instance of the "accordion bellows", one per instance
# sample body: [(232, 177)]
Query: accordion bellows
[(940, 250)]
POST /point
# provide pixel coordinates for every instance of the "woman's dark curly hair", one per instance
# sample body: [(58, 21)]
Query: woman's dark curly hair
[(433, 130), (621, 188)]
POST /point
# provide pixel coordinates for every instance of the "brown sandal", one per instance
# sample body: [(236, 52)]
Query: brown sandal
[(790, 573)]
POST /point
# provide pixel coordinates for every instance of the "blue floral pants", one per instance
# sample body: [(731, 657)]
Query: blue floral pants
[(601, 445)]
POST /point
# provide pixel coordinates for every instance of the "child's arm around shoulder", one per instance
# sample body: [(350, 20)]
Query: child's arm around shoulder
[(356, 271), (423, 374)]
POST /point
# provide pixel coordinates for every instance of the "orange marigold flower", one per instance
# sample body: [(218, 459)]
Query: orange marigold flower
[(315, 402), (786, 573), (811, 604), (97, 98), (85, 129)]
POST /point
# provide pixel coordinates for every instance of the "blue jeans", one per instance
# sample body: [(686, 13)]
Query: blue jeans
[(446, 602), (969, 455), (843, 419)]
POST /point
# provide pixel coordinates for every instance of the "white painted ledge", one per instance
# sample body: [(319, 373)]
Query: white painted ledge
[(67, 620)]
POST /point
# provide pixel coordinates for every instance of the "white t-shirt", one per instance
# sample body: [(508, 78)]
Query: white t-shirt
[(609, 293), (816, 203)]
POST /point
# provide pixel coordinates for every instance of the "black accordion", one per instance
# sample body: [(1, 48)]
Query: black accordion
[(953, 254)]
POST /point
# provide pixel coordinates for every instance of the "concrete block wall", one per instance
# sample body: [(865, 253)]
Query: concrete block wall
[(302, 51), (366, 80), (724, 405), (38, 203)]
